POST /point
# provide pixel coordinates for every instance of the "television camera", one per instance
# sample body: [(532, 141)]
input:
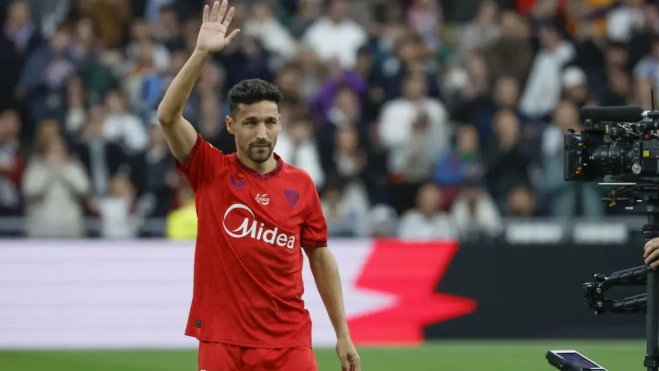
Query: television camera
[(618, 147)]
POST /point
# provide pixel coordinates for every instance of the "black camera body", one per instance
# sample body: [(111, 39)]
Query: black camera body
[(624, 150)]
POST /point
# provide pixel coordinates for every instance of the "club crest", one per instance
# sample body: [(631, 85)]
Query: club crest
[(291, 196)]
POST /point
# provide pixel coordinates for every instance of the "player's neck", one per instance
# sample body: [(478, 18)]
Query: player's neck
[(260, 167)]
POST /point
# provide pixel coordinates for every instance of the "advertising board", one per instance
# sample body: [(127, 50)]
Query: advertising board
[(124, 294), (136, 294)]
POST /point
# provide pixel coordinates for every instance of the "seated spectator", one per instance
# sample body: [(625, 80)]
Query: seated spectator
[(158, 175), (507, 158), (122, 126), (12, 164), (102, 158), (116, 210), (426, 221), (383, 221), (459, 165), (182, 222), (521, 203), (345, 206), (336, 36), (475, 214), (297, 147), (415, 130), (53, 186)]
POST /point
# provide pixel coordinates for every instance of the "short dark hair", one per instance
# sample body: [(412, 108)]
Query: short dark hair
[(252, 91)]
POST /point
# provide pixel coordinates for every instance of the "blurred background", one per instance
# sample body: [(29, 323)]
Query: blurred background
[(418, 120)]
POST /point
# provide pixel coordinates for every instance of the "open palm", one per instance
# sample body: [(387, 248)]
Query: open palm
[(212, 35)]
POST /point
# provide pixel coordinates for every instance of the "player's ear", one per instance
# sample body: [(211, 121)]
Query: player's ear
[(230, 124)]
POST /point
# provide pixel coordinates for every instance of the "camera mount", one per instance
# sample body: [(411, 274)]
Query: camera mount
[(641, 199)]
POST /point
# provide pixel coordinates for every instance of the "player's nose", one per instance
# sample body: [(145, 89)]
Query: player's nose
[(261, 132)]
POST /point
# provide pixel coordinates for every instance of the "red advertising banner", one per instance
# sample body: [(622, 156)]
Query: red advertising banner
[(409, 271)]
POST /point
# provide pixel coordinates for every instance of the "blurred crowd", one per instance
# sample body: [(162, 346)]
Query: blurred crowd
[(415, 118)]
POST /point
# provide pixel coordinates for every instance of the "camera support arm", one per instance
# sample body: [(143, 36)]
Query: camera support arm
[(594, 292)]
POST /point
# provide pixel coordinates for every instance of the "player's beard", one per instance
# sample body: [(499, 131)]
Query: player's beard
[(260, 154)]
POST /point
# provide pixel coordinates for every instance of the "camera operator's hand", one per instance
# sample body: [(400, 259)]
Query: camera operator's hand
[(651, 252)]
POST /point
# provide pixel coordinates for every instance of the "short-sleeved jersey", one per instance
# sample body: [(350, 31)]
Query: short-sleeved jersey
[(248, 258)]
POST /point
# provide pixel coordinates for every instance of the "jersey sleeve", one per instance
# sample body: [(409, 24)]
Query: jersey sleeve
[(204, 164), (314, 229)]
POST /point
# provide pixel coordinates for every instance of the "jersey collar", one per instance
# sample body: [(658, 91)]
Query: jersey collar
[(266, 176)]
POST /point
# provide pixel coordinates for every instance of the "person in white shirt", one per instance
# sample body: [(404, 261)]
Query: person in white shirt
[(295, 145), (122, 126), (264, 27), (414, 126), (427, 221), (543, 89), (336, 36)]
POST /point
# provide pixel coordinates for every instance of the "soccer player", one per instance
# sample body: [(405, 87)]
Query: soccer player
[(256, 214)]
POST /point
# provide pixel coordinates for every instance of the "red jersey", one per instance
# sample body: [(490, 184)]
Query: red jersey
[(248, 257)]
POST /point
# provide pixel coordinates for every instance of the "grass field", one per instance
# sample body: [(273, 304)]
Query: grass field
[(467, 355)]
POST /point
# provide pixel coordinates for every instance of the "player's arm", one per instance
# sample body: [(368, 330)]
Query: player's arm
[(181, 135), (325, 272), (328, 281)]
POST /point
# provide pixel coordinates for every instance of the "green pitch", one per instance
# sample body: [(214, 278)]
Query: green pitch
[(467, 355)]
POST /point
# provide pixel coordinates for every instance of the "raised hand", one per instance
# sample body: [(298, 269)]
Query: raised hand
[(212, 35)]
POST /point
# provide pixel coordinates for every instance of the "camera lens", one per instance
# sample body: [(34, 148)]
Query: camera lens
[(610, 158)]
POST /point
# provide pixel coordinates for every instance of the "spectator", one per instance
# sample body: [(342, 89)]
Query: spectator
[(122, 126), (507, 158), (182, 222), (297, 147), (543, 89), (18, 39), (116, 210), (460, 165), (12, 164), (383, 221), (336, 36), (53, 186), (157, 175), (101, 158), (345, 208), (575, 87), (484, 30), (414, 130), (426, 221), (264, 27), (168, 30), (45, 73), (475, 214), (521, 203), (515, 40), (622, 21)]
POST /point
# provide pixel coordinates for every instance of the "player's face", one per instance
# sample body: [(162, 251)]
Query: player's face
[(256, 127)]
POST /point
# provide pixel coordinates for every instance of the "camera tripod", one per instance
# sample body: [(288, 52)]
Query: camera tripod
[(647, 303)]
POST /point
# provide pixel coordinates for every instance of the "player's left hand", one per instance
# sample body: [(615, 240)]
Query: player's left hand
[(348, 355)]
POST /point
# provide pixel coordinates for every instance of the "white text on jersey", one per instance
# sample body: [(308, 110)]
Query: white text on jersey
[(257, 230)]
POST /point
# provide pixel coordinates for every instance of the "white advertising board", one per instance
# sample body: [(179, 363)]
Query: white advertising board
[(131, 294)]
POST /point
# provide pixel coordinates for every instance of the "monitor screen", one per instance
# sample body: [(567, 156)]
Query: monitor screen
[(578, 360)]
